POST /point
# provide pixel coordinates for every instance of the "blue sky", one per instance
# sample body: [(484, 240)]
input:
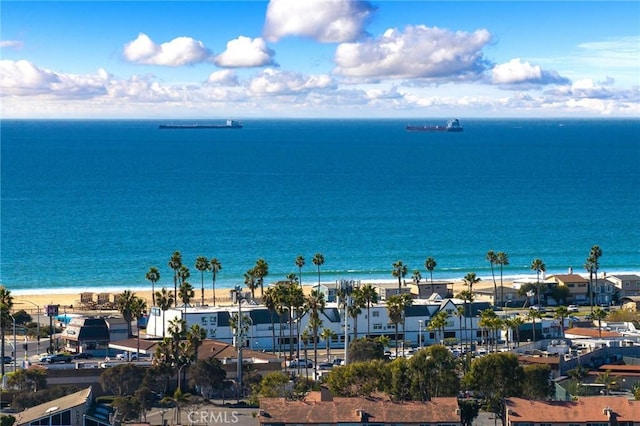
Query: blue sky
[(325, 58)]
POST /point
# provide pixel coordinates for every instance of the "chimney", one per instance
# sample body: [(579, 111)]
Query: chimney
[(361, 415), (607, 411)]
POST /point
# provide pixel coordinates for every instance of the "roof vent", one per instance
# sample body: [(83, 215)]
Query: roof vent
[(607, 411), (361, 414)]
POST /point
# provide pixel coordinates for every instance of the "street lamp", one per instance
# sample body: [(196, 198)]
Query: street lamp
[(37, 324), (420, 333)]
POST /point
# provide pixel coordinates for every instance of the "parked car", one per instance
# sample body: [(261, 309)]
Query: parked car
[(294, 363), (8, 359), (53, 358), (573, 308), (83, 355), (539, 308), (123, 357), (325, 366)]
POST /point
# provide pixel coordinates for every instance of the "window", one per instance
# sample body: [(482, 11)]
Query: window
[(582, 285), (375, 314), (377, 326)]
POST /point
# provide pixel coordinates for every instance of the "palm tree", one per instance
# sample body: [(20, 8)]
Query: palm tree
[(588, 265), (328, 335), (503, 260), (216, 266), (492, 258), (269, 300), (202, 264), (467, 297), (305, 337), (487, 322), (460, 312), (300, 264), (250, 281), (416, 276), (538, 266), (318, 260), (599, 314), (369, 297), (126, 303), (399, 271), (261, 270), (430, 264), (153, 275), (514, 325), (533, 315), (561, 313), (164, 299), (314, 304), (186, 293), (396, 306), (6, 304), (175, 263), (470, 279), (196, 335), (138, 310), (608, 380), (438, 323), (594, 261)]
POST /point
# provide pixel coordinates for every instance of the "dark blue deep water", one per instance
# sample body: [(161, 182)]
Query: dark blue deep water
[(88, 204)]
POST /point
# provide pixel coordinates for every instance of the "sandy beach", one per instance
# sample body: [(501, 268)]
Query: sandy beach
[(71, 302)]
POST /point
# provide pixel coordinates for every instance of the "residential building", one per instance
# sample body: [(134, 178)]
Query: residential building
[(320, 408), (625, 284), (86, 334), (577, 285), (70, 410), (424, 290), (586, 411)]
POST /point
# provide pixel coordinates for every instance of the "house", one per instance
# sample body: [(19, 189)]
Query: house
[(424, 290), (320, 408), (507, 296), (388, 289), (631, 303), (70, 410), (587, 410), (118, 328), (625, 284), (86, 334), (577, 285)]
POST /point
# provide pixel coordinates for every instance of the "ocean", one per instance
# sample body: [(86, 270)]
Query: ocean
[(93, 204)]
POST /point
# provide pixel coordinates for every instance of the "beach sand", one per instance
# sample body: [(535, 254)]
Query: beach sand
[(70, 302)]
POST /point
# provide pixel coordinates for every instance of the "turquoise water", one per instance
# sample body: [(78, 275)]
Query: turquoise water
[(94, 204)]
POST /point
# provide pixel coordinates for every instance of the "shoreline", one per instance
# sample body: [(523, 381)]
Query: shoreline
[(223, 286), (69, 298)]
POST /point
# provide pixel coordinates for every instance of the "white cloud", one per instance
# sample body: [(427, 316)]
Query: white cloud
[(418, 52), (177, 52), (11, 44), (22, 78), (271, 81), (327, 21), (245, 52), (223, 78), (517, 72)]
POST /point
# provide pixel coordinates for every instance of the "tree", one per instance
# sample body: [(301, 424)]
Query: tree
[(196, 335), (536, 384), (400, 376), (300, 264), (433, 374), (305, 338), (399, 271), (261, 270), (496, 376), (514, 325), (502, 260), (29, 380), (251, 282), (599, 314), (164, 299), (314, 304), (6, 304), (130, 306), (359, 379), (430, 264), (533, 315), (492, 258), (207, 375), (178, 400), (328, 335), (216, 266), (318, 260), (609, 381), (561, 313), (186, 293), (122, 379), (438, 323), (153, 275), (416, 276), (396, 306), (202, 265), (364, 349), (269, 300), (273, 385), (487, 321), (538, 266), (369, 297), (592, 265), (175, 262), (127, 406), (355, 309)]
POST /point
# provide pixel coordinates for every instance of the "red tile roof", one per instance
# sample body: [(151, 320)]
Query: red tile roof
[(358, 410), (585, 409), (592, 332)]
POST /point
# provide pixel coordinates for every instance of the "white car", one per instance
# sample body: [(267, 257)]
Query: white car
[(123, 357), (572, 308)]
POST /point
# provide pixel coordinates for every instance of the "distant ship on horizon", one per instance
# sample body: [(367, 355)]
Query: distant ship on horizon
[(452, 125), (230, 124)]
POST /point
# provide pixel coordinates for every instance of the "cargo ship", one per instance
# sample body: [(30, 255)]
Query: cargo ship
[(452, 125), (230, 124)]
